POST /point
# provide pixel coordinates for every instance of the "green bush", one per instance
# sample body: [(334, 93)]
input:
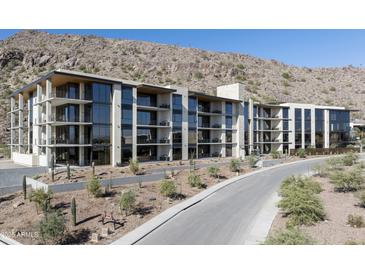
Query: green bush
[(252, 160), (349, 159), (52, 227), (94, 187), (334, 163), (301, 153), (346, 181), (289, 236), (168, 188), (275, 154), (41, 198), (213, 171), (356, 221), (133, 166), (300, 202), (195, 181), (127, 202), (235, 165), (306, 183)]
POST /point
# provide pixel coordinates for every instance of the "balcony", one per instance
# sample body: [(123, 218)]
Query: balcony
[(58, 100), (154, 124), (63, 120)]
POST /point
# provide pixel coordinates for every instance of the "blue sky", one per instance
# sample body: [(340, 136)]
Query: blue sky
[(310, 48)]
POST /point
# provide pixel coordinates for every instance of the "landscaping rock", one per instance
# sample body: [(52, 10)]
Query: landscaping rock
[(17, 204), (95, 237)]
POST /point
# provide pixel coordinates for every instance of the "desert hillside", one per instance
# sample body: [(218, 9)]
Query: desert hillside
[(29, 54)]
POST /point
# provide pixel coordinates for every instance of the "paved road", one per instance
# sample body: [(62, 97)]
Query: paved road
[(227, 216), (11, 174)]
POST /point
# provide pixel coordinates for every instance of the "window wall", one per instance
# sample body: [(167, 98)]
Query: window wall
[(339, 128), (149, 100), (307, 128), (127, 121), (70, 90), (298, 127), (176, 127), (101, 117), (145, 117), (192, 135), (319, 124), (285, 112)]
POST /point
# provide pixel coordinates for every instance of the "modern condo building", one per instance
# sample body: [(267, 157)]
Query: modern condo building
[(81, 118)]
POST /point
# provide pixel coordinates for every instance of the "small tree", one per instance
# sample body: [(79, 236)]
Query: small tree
[(275, 154), (168, 188), (94, 187), (41, 199), (52, 227), (213, 171), (24, 187), (73, 211), (234, 165), (127, 202), (133, 166)]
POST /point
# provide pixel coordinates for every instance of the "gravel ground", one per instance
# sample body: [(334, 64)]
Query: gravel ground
[(24, 218), (334, 230)]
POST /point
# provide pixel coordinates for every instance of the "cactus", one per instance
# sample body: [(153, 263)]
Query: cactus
[(93, 167), (68, 171), (24, 187), (73, 211)]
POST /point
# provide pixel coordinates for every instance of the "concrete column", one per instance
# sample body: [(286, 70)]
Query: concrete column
[(291, 122), (223, 135), (171, 125), (21, 122), (326, 128), (134, 125), (313, 127), (29, 124), (280, 127), (12, 125), (185, 124), (251, 121), (81, 127), (37, 115), (303, 129), (116, 125), (240, 147), (48, 119)]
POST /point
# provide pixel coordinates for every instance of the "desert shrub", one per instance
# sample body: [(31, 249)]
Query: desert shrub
[(167, 188), (41, 198), (93, 186), (52, 227), (195, 181), (346, 181), (306, 183), (252, 160), (349, 159), (334, 163), (133, 166), (320, 170), (235, 165), (300, 202), (213, 171), (301, 153), (289, 236), (127, 201), (356, 221), (275, 154)]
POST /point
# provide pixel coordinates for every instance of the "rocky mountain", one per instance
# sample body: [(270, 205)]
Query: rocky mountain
[(29, 54)]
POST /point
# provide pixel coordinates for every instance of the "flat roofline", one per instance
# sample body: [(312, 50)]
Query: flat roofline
[(150, 86), (214, 97)]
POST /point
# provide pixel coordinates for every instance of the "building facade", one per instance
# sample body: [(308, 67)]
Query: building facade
[(80, 118)]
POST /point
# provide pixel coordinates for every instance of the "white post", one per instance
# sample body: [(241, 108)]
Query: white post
[(185, 124), (116, 124), (48, 120), (81, 127), (326, 128), (313, 127), (21, 122), (12, 124), (134, 125)]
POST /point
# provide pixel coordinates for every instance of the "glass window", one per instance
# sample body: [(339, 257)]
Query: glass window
[(149, 100), (127, 134), (228, 122), (192, 104), (229, 108), (177, 101), (145, 117), (146, 135), (298, 128), (229, 136)]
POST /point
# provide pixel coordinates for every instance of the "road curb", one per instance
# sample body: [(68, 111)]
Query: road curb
[(146, 228)]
